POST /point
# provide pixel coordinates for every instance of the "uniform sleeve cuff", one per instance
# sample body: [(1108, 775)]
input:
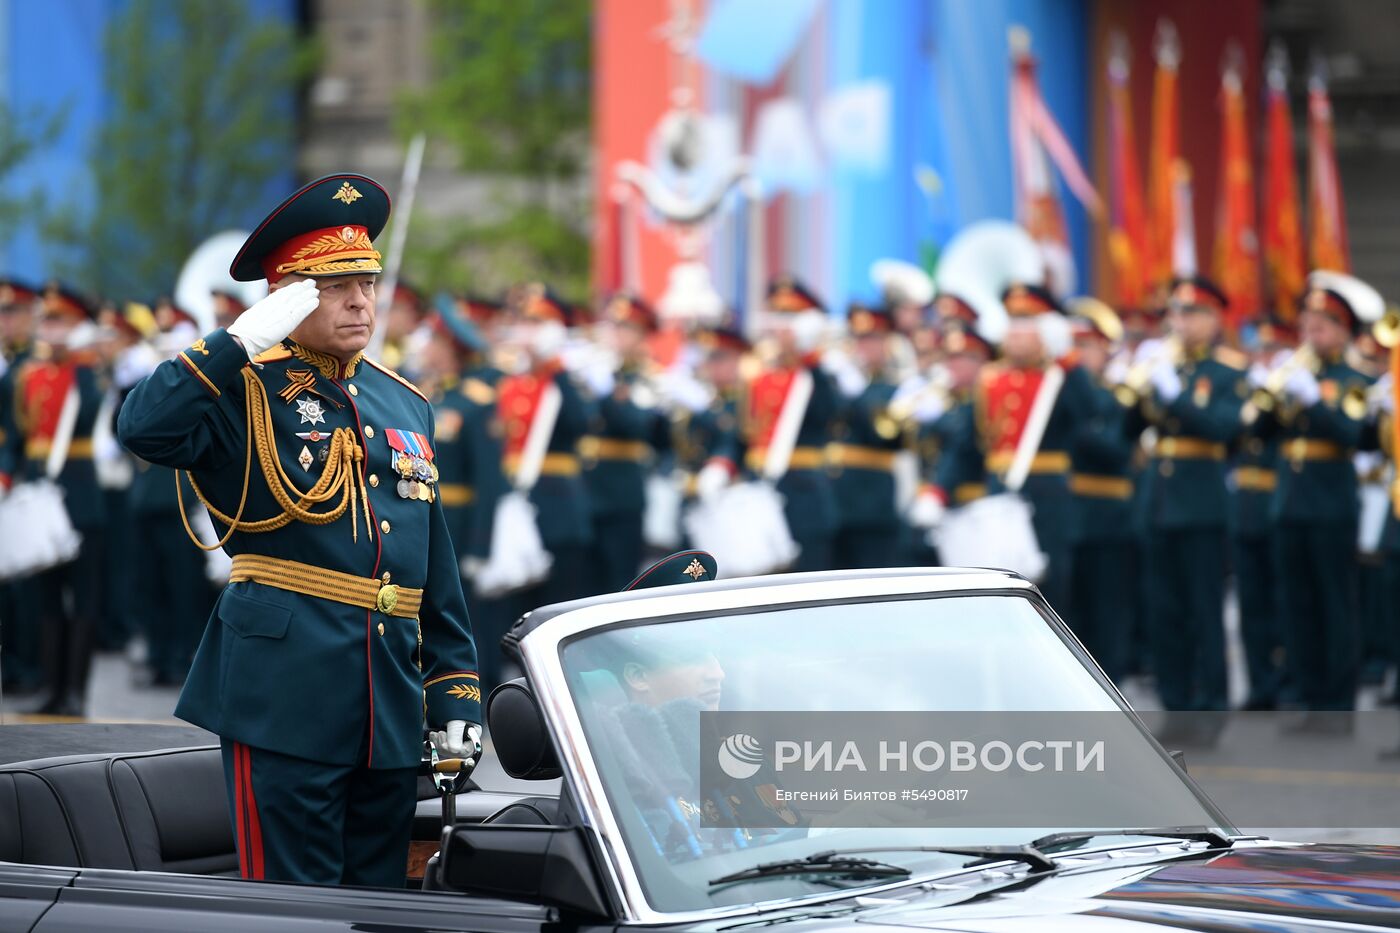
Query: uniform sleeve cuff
[(452, 696), (214, 360)]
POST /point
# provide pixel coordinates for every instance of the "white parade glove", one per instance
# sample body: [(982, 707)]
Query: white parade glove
[(1167, 381), (268, 322), (1383, 390), (1302, 387), (470, 566), (600, 381), (808, 330), (710, 480), (1258, 375), (850, 381), (459, 739), (927, 510)]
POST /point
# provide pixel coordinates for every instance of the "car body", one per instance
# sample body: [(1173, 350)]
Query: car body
[(580, 845)]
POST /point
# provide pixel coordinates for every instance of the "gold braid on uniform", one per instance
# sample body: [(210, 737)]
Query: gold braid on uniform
[(341, 476)]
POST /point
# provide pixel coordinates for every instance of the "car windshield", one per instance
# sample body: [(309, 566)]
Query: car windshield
[(643, 691)]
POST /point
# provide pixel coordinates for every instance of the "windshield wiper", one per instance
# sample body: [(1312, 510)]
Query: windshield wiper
[(1217, 839), (818, 863), (848, 861)]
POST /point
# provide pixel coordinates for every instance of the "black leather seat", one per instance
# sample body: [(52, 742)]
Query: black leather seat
[(154, 811)]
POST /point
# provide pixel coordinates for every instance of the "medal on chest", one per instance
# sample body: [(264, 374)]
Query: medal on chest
[(412, 459)]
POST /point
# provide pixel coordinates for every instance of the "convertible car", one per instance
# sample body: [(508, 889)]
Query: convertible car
[(604, 825)]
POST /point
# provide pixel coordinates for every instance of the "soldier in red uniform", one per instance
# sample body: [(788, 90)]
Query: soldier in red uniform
[(66, 599), (787, 422), (1037, 343)]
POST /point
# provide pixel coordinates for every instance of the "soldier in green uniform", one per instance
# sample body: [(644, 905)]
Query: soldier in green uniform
[(469, 453), (1191, 394), (1100, 482), (706, 441), (867, 440), (344, 626), (1314, 405), (1253, 479), (626, 429)]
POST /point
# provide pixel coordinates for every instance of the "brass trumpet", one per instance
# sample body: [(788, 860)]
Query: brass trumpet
[(1266, 397), (1139, 377), (898, 417), (1387, 329)]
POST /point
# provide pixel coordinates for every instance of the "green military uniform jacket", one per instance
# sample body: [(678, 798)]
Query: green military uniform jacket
[(300, 674), (862, 460), (708, 434), (1101, 472), (1252, 485), (958, 470), (1184, 485), (1316, 478), (471, 481), (618, 451)]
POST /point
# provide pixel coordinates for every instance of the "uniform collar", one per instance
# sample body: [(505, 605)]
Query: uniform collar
[(327, 365)]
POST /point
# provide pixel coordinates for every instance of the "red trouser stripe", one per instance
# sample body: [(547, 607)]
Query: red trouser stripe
[(250, 806), (238, 821)]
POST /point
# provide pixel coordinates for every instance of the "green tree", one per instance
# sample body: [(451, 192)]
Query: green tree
[(202, 118), (511, 95)]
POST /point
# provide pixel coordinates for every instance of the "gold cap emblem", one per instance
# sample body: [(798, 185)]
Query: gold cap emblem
[(696, 570), (347, 193)]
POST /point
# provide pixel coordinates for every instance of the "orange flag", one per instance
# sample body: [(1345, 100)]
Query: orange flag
[(1328, 243), (1127, 233), (1283, 227), (1236, 240), (1165, 152)]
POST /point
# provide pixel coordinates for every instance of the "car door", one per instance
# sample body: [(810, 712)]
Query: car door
[(151, 902), (27, 892)]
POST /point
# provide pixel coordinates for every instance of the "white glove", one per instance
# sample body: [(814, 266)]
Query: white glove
[(600, 381), (1258, 375), (459, 739), (268, 322), (850, 381), (710, 480), (808, 330), (926, 511), (1302, 387), (1167, 381), (1382, 390)]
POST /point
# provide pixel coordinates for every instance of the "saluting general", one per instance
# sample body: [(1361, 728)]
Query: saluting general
[(344, 624)]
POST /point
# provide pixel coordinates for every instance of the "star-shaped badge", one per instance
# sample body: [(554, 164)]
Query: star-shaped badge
[(310, 411)]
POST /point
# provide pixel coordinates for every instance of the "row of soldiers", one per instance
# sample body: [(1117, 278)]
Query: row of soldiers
[(1155, 458)]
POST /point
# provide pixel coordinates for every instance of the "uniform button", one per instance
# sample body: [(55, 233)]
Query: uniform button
[(374, 479), (384, 526), (353, 390), (385, 579), (369, 431), (381, 629), (1166, 468)]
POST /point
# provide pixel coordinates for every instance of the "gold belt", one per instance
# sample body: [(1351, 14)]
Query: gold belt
[(964, 493), (37, 448), (612, 448), (1190, 448), (1255, 479), (803, 458), (554, 464), (1045, 462), (860, 458), (1300, 449), (296, 577), (1100, 487), (456, 495)]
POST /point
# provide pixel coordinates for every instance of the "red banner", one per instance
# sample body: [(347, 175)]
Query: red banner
[(1283, 228), (1328, 243), (1127, 233), (1165, 154), (1236, 264)]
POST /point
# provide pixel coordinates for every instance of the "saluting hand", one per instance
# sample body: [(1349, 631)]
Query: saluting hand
[(268, 322)]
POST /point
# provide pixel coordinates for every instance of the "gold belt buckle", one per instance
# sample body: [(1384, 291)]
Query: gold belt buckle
[(387, 599)]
